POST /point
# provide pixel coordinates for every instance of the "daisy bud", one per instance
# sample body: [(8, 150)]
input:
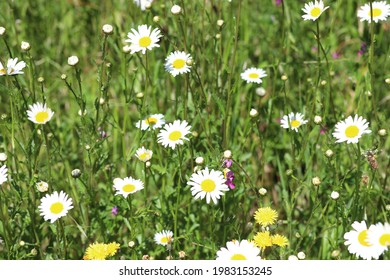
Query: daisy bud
[(218, 36), (262, 191), (76, 173), (82, 113), (169, 258), (131, 244), (220, 22), (148, 5), (42, 186), (145, 257), (253, 113), (195, 134), (292, 258), (260, 91), (107, 29), (182, 255), (301, 255), (317, 119), (126, 49), (387, 207), (33, 252), (227, 154), (41, 79), (3, 156), (22, 243), (323, 82), (316, 181), (368, 93), (335, 253), (382, 132), (334, 195), (329, 153), (289, 172), (2, 31), (102, 101), (189, 62), (3, 116), (387, 81), (63, 77), (147, 164), (176, 9), (199, 160), (156, 19), (25, 46), (284, 77), (87, 147), (140, 95), (73, 60), (365, 179)]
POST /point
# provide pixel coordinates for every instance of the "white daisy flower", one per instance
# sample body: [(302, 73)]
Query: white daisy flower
[(253, 75), (164, 237), (292, 121), (127, 186), (236, 250), (379, 236), (173, 134), (143, 154), (3, 174), (143, 39), (380, 11), (153, 121), (54, 206), (357, 242), (13, 67), (142, 4), (39, 113), (313, 10), (351, 130), (209, 184), (176, 63)]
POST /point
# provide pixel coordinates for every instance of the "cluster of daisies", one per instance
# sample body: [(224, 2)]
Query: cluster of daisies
[(368, 242)]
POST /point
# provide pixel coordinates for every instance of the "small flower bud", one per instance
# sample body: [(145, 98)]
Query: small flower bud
[(76, 173), (227, 154), (87, 147), (316, 181), (126, 49), (260, 91), (289, 172), (41, 79), (33, 252), (329, 153), (145, 257), (292, 258), (195, 134), (220, 22), (140, 95), (387, 207), (102, 101), (334, 195), (156, 19), (382, 132), (148, 5), (387, 81), (22, 243), (63, 77), (253, 113), (176, 9), (147, 164), (189, 62), (2, 31), (284, 77), (323, 82), (262, 191), (3, 156), (25, 46), (301, 255), (42, 186), (82, 113), (73, 60), (182, 254), (368, 93), (335, 253), (199, 160), (317, 119), (107, 29), (131, 244), (218, 36)]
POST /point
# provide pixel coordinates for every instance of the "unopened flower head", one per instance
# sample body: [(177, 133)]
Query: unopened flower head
[(227, 154), (313, 10), (2, 31), (316, 181), (176, 63), (25, 46), (239, 250), (76, 173), (3, 157), (351, 129), (39, 113), (108, 29), (301, 255), (42, 186), (380, 11), (199, 160), (334, 195), (253, 113), (253, 75), (73, 60), (329, 153), (54, 206), (317, 119), (382, 132), (263, 191), (143, 38), (176, 9), (293, 121)]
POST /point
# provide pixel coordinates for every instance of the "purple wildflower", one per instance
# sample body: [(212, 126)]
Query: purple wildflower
[(114, 210), (227, 163), (229, 176)]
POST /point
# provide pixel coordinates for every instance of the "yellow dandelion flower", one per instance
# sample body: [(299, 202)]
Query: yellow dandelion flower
[(100, 251), (263, 240), (266, 216), (279, 240)]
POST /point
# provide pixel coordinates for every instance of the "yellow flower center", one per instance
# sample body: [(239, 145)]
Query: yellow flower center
[(174, 135), (145, 41), (375, 12), (41, 117), (384, 240), (165, 240), (128, 188), (253, 75), (315, 12), (208, 185), (143, 156), (178, 63), (238, 257), (2, 71), (351, 131), (56, 208), (362, 238), (151, 121), (295, 123)]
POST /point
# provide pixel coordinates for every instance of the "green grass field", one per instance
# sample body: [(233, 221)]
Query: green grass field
[(326, 69)]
